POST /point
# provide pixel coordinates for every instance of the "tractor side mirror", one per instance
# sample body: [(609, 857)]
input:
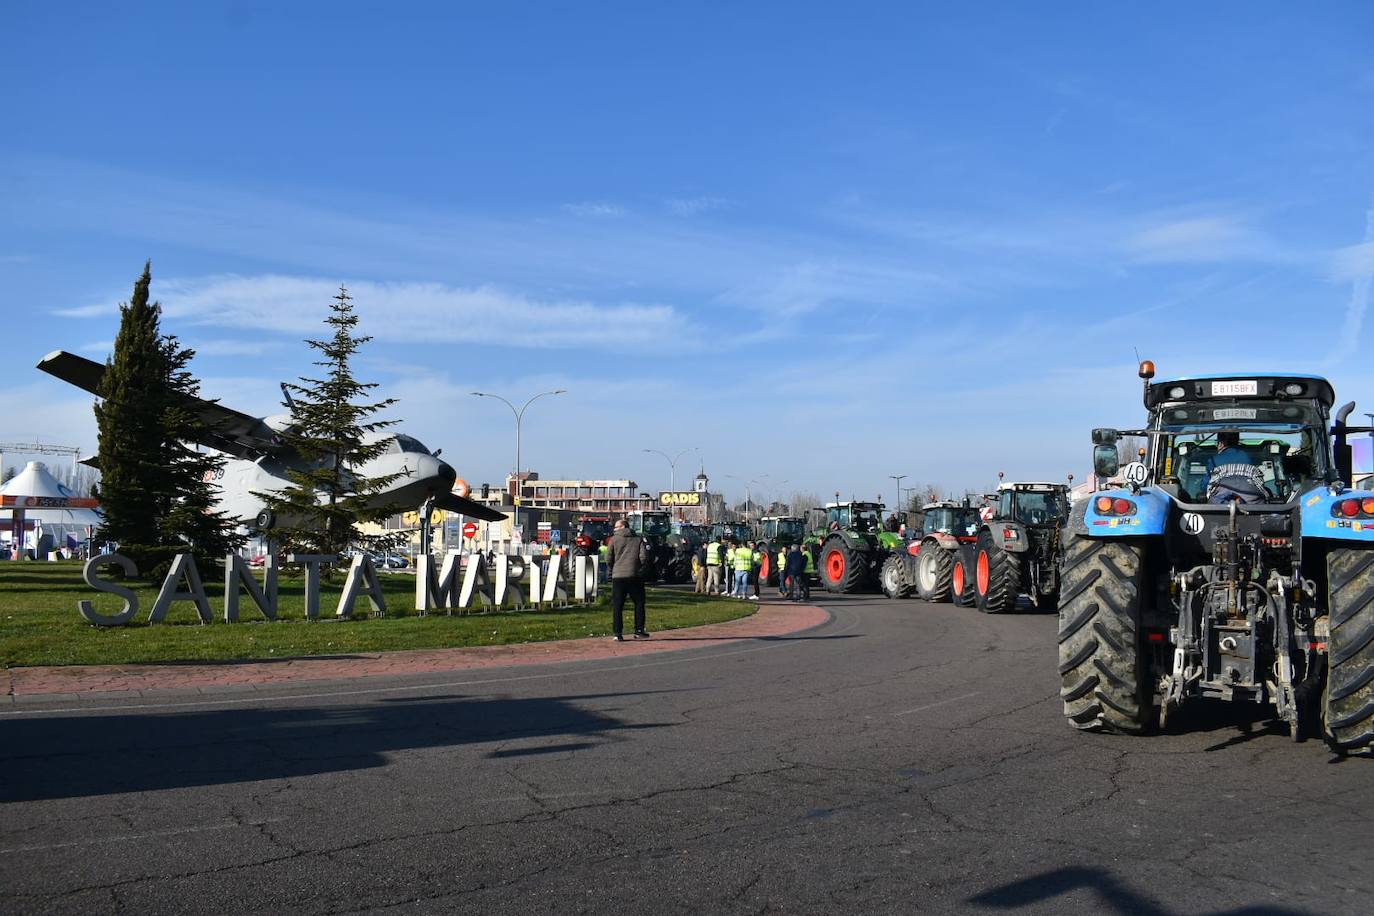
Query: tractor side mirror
[(1105, 460), (1106, 436)]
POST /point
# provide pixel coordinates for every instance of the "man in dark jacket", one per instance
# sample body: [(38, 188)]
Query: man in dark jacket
[(625, 558)]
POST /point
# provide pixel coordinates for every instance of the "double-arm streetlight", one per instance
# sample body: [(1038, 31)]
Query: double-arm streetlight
[(519, 417), (672, 462)]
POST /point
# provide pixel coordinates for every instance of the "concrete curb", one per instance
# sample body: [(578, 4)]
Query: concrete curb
[(773, 619)]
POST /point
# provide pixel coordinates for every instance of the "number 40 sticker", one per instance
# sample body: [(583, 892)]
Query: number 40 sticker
[(1135, 473), (1192, 523)]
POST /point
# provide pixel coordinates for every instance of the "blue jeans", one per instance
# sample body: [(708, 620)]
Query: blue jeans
[(741, 589)]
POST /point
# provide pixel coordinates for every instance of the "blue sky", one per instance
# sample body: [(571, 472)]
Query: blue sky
[(820, 243)]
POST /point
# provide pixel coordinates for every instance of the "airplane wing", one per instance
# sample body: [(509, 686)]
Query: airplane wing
[(452, 502), (226, 430)]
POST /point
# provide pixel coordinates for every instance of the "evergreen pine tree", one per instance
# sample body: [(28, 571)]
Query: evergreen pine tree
[(190, 521), (129, 425), (332, 430)]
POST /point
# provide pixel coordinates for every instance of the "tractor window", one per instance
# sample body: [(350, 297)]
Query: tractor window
[(654, 525), (837, 515), (1039, 507), (966, 524), (1288, 459), (941, 519), (868, 519)]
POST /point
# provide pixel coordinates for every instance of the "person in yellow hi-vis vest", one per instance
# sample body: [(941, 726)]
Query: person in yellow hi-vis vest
[(744, 564), (715, 562)]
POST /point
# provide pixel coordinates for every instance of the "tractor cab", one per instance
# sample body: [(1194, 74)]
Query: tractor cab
[(731, 531), (1254, 440), (592, 532), (783, 531), (955, 519), (854, 516), (651, 524), (1034, 505)]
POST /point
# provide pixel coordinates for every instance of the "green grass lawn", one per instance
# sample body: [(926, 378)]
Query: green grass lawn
[(40, 625)]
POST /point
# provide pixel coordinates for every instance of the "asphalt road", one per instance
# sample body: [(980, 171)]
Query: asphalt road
[(903, 757)]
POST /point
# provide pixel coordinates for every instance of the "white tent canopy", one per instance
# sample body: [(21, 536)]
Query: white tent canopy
[(35, 480)]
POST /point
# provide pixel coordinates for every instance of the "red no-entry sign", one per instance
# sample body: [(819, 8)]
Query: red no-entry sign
[(470, 529)]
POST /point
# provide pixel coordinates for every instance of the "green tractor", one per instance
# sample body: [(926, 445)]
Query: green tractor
[(778, 532), (851, 547), (731, 531), (670, 555)]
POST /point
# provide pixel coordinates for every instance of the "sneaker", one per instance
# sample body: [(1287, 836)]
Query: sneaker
[(618, 638), (753, 597), (641, 634)]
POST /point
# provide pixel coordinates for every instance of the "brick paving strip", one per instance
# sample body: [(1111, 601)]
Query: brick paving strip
[(772, 619)]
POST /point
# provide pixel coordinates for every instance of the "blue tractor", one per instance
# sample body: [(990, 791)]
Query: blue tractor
[(1235, 562)]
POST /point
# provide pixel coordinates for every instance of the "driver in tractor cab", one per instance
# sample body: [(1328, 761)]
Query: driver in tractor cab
[(1232, 473)]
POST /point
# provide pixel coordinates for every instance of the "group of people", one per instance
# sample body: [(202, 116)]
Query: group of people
[(727, 567)]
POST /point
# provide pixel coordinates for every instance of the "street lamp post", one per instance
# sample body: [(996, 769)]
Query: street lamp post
[(672, 463), (519, 418), (899, 478)]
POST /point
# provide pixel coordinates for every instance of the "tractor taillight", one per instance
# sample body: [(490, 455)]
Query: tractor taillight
[(1123, 506), (1350, 507), (1367, 506), (1104, 504)]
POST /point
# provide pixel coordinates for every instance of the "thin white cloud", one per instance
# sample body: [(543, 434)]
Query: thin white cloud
[(1199, 239), (1360, 268), (691, 206), (411, 312), (595, 208)]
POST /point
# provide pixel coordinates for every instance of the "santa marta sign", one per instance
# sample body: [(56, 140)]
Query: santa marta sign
[(460, 582)]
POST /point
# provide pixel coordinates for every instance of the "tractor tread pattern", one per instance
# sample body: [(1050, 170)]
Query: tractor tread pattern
[(1004, 578), (895, 578), (941, 562), (969, 596), (855, 568), (1350, 647), (1100, 661)]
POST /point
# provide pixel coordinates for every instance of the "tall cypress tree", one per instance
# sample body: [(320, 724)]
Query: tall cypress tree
[(129, 424), (333, 431)]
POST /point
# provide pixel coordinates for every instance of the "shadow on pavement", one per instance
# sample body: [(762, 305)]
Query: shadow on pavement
[(76, 756), (1112, 895)]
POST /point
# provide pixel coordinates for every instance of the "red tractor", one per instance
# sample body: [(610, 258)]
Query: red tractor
[(592, 532), (932, 567)]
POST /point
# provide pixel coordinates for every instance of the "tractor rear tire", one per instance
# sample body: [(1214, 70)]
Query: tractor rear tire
[(961, 587), (934, 566), (996, 576), (895, 577), (1350, 649), (1101, 661), (842, 569)]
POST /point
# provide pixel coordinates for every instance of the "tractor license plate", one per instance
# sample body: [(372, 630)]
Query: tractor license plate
[(1234, 413), (1230, 388)]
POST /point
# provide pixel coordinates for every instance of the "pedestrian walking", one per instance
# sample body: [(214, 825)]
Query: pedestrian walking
[(627, 556), (715, 559)]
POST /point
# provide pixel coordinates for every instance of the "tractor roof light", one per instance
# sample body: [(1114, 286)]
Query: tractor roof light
[(1178, 391), (1293, 389), (1147, 369)]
